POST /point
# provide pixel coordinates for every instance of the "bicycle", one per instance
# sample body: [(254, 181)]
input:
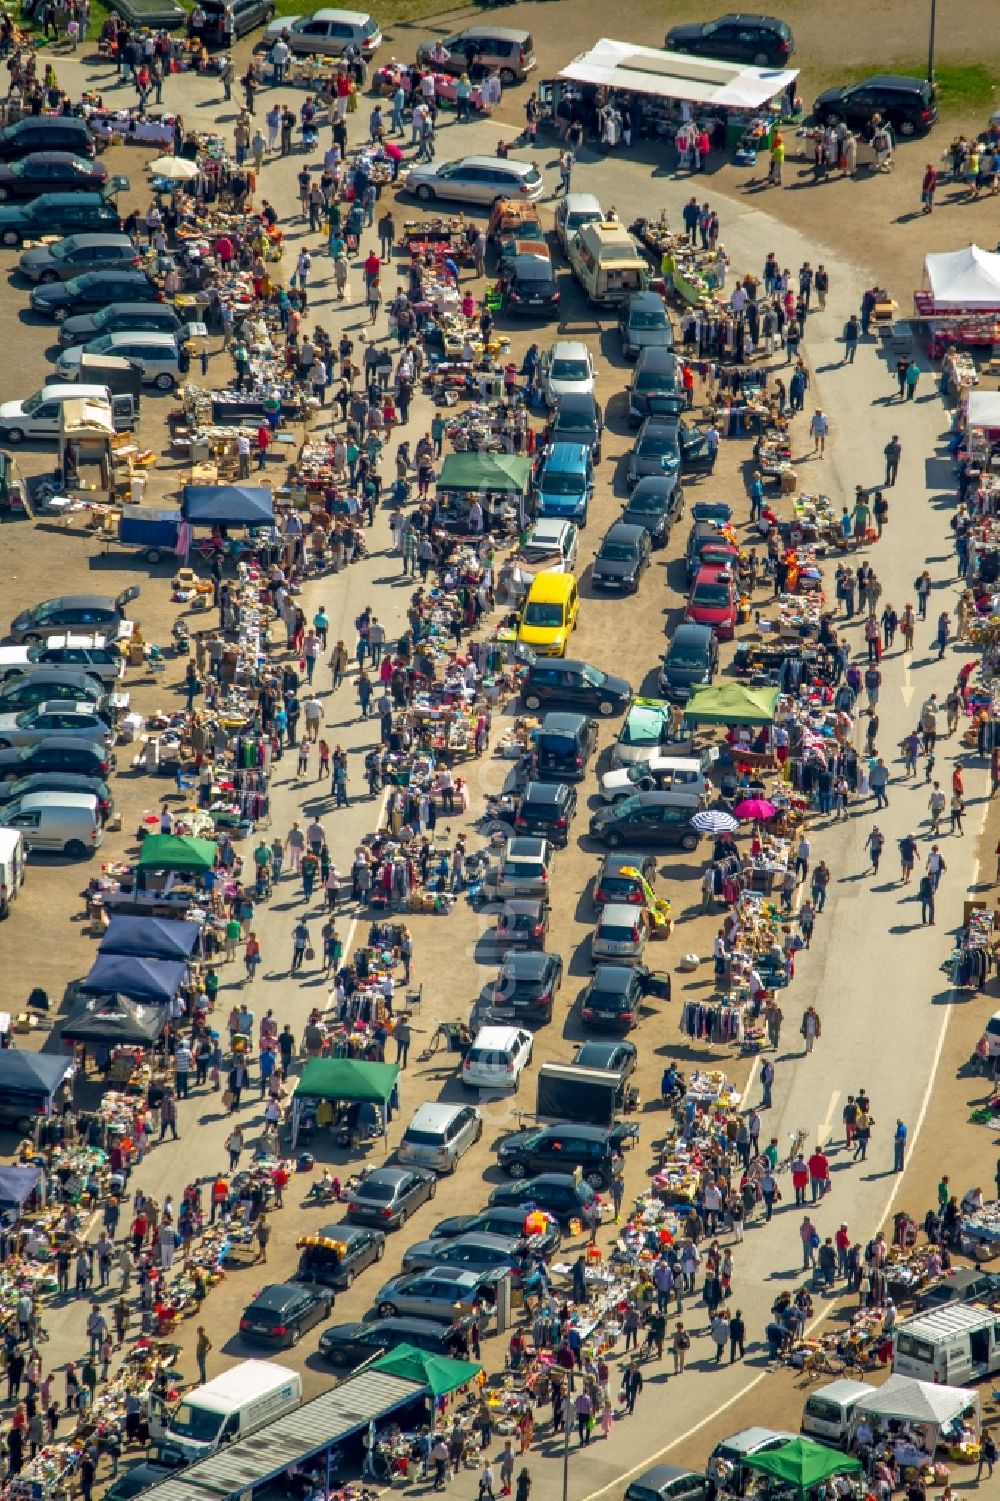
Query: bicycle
[(798, 1141), (821, 1363), (446, 1033)]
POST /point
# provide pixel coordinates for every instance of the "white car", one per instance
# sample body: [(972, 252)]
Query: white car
[(29, 726), (475, 179), (550, 546), (497, 1058), (91, 654), (327, 33), (566, 369), (683, 775)]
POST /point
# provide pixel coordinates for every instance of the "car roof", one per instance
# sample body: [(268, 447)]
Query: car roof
[(576, 401), (645, 299), (893, 80), (623, 531), (89, 239), (588, 1133), (616, 912), (455, 1274), (343, 1231), (525, 847), (569, 349), (527, 962), (495, 1037), (544, 792), (571, 456), (614, 865), (654, 799), (662, 485), (385, 1175), (55, 156), (613, 978), (657, 1476), (691, 631), (504, 33), (358, 17), (711, 573), (65, 706), (505, 164), (434, 1116), (658, 424), (581, 203), (56, 799), (526, 905), (277, 1295), (483, 1238), (654, 354), (153, 336), (552, 1180), (556, 723), (142, 308), (549, 527), (533, 266), (599, 1050)]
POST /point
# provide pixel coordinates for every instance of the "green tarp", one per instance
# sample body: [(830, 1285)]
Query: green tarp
[(506, 472), (803, 1464), (439, 1372), (177, 852), (347, 1079), (731, 703)]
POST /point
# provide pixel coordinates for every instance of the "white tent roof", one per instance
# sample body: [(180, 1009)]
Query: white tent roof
[(674, 75), (983, 409), (967, 278), (918, 1401)]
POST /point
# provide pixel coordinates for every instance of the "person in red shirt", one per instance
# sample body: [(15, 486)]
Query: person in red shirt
[(372, 268), (263, 444), (687, 381), (842, 1241), (819, 1174), (928, 187)]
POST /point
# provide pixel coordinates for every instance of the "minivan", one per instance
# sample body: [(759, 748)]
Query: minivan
[(565, 480), (475, 179), (683, 777), (906, 105), (549, 614), (564, 744), (65, 823), (12, 858), (230, 1407), (497, 1058), (572, 213), (438, 1135), (565, 680), (648, 818), (483, 49), (247, 16), (691, 658), (826, 1415)]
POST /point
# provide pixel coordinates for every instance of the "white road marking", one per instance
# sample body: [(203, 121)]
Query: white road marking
[(826, 1126)]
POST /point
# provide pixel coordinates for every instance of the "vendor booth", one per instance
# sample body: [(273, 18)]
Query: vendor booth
[(19, 1187), (155, 980), (151, 938), (500, 482), (915, 1418), (731, 703), (339, 1081), (228, 505), (960, 298), (177, 854), (795, 1469), (438, 1372), (86, 435), (110, 1021), (33, 1083)]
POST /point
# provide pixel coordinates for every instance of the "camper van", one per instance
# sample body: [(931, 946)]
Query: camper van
[(12, 856), (230, 1407), (606, 262), (827, 1413), (954, 1346)]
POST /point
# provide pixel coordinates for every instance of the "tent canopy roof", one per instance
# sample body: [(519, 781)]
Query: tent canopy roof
[(228, 505), (731, 703), (177, 852), (17, 1184), (802, 1463), (968, 278), (507, 472), (439, 1372), (32, 1073), (347, 1079), (114, 1019), (130, 975), (675, 75), (914, 1401), (150, 937), (983, 409)]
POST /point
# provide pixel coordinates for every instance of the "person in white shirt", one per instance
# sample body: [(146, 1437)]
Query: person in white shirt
[(819, 427)]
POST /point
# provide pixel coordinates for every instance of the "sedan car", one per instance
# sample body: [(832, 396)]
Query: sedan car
[(622, 559), (508, 1223), (525, 989), (89, 654), (762, 40), (387, 1196), (647, 818), (614, 993), (524, 868), (143, 316), (56, 214), (714, 600), (578, 419), (643, 323), (656, 450), (546, 810), (472, 1253), (655, 504), (439, 1293), (529, 286), (59, 718), (966, 1285), (523, 924), (577, 685), (282, 1312), (334, 1255), (326, 33), (566, 369), (76, 255), (666, 1483), (61, 781), (49, 171), (90, 758), (350, 1345), (562, 1195), (73, 612)]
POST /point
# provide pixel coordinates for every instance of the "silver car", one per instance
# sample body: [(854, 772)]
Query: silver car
[(620, 935), (524, 868), (475, 179), (327, 33), (443, 1293), (57, 718)]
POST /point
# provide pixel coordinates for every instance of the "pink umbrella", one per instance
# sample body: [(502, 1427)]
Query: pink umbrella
[(757, 808)]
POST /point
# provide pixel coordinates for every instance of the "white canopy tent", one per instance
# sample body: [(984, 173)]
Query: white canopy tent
[(983, 410), (917, 1402), (674, 75), (968, 278)]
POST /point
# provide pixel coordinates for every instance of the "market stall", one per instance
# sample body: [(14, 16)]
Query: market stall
[(151, 938), (20, 1189), (36, 1083), (497, 484), (798, 1467), (340, 1081), (140, 979), (110, 1021), (960, 299), (913, 1419)]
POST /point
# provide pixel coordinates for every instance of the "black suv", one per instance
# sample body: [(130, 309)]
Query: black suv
[(525, 989), (577, 419), (547, 810), (614, 993), (762, 40), (655, 504), (56, 214), (46, 133), (654, 376), (622, 558), (563, 746), (564, 1148), (93, 291), (281, 1313), (56, 753), (351, 1344), (566, 681), (562, 1195), (907, 105)]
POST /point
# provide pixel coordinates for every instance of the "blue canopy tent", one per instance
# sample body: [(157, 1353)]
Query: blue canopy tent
[(228, 505), (151, 938), (139, 979)]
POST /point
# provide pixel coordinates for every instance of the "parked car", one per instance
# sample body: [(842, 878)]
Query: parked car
[(282, 1312), (573, 211), (564, 744), (352, 1345), (620, 935), (473, 1253), (666, 1483), (578, 419), (655, 504), (47, 684), (524, 868), (50, 172), (707, 547), (145, 316), (92, 655), (77, 255), (716, 511), (333, 1255), (618, 878), (692, 657), (530, 287), (29, 726), (763, 41), (576, 684), (713, 601), (438, 1135), (326, 33), (60, 781), (88, 758), (654, 377), (684, 776), (56, 214), (506, 1222), (647, 818), (137, 1480), (643, 323), (73, 612), (497, 1058), (565, 482), (157, 354), (246, 16), (525, 989), (475, 179), (46, 133), (566, 369), (546, 811), (560, 1194), (439, 1293), (387, 1196), (622, 558), (613, 994), (963, 1285), (647, 728), (523, 924), (906, 105), (620, 1058), (551, 543), (482, 49), (563, 1149)]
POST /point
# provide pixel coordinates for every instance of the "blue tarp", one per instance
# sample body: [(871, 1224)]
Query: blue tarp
[(140, 979), (17, 1184), (151, 937), (228, 505)]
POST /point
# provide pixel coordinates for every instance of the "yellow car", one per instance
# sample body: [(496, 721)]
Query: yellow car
[(549, 614)]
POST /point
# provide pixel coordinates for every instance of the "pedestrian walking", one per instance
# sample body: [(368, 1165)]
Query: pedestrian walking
[(893, 452)]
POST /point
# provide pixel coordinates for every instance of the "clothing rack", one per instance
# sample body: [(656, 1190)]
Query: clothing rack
[(719, 1024)]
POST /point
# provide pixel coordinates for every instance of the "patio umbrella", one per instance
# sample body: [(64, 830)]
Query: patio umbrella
[(757, 808), (173, 168), (713, 821)]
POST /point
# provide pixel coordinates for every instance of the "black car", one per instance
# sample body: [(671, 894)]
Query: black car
[(762, 40), (56, 753), (282, 1312), (334, 1255), (46, 133), (93, 290), (712, 510), (564, 1148), (564, 680), (906, 105), (46, 684), (655, 504), (497, 1221), (620, 1058), (614, 993), (88, 614), (622, 558), (523, 924), (691, 658), (56, 214), (547, 809), (616, 881), (525, 989), (354, 1344), (577, 419), (388, 1196), (560, 1194), (125, 316), (966, 1285), (50, 172), (137, 1480), (530, 287), (643, 324), (654, 377), (647, 818), (61, 781), (666, 1483), (563, 746)]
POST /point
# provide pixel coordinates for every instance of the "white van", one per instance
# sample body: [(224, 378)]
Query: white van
[(39, 415), (497, 1058), (572, 213), (827, 1413), (64, 823), (234, 1405), (682, 776), (12, 854), (157, 354), (954, 1346)]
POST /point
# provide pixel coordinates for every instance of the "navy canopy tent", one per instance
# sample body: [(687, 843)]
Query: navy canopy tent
[(35, 1074), (17, 1184), (228, 505), (151, 937), (141, 979)]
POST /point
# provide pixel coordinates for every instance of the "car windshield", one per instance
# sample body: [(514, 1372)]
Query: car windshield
[(544, 615), (656, 447), (570, 370), (650, 501), (381, 1192), (685, 657), (195, 1422), (616, 552), (422, 1138), (711, 594), (561, 483), (654, 380), (593, 677), (647, 318), (609, 1000), (370, 27), (522, 867)]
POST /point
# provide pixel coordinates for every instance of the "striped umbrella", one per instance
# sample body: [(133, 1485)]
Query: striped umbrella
[(714, 821)]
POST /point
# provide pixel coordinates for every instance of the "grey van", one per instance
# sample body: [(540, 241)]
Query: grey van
[(480, 49), (62, 823)]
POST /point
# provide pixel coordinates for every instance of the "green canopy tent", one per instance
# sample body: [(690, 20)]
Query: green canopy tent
[(439, 1372), (345, 1081), (731, 703), (507, 475), (179, 853), (802, 1464)]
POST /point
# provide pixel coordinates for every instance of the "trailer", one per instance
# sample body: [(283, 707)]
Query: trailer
[(151, 532), (587, 1095)]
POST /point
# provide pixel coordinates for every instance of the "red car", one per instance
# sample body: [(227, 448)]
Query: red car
[(713, 601)]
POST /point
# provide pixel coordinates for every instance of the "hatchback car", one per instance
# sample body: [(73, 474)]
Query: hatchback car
[(228, 20), (89, 758), (475, 179), (647, 818), (50, 171), (565, 482), (281, 1313), (620, 1058), (73, 612), (524, 868), (643, 323), (29, 726), (656, 450), (573, 211), (550, 545), (713, 601), (546, 810), (564, 1148), (576, 684), (562, 1195), (684, 776), (92, 655), (622, 559), (655, 504), (158, 355), (578, 419), (565, 369), (907, 105), (497, 1058), (473, 1253), (439, 1293), (505, 1222), (56, 214), (529, 286), (762, 40), (666, 1483), (647, 728), (387, 1196), (326, 33), (333, 1255), (564, 744), (350, 1345), (481, 49), (438, 1135), (620, 935), (47, 684), (706, 546), (76, 255), (525, 989), (654, 377), (523, 924), (612, 996), (137, 1480), (618, 879), (692, 657), (61, 781), (123, 317)]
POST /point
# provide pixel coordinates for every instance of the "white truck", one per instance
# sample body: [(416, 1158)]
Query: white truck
[(230, 1407)]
